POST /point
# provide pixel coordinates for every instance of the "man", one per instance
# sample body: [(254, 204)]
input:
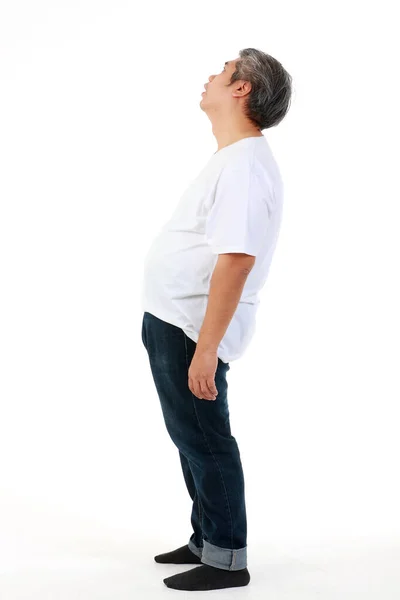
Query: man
[(201, 281)]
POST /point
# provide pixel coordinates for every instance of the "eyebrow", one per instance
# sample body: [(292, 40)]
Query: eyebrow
[(227, 63)]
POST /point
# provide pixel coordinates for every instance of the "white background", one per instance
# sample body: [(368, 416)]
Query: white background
[(101, 132)]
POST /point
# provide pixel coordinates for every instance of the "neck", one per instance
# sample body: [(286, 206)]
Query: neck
[(226, 136)]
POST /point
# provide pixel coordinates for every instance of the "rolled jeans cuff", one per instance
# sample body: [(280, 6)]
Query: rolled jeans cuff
[(221, 558)]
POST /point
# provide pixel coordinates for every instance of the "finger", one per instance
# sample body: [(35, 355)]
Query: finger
[(192, 386), (212, 387), (207, 394), (196, 389)]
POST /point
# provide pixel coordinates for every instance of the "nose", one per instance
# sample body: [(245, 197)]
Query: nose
[(209, 80)]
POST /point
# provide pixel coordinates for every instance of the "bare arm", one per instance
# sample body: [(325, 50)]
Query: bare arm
[(226, 286)]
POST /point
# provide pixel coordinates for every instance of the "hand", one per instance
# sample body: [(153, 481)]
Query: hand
[(202, 373)]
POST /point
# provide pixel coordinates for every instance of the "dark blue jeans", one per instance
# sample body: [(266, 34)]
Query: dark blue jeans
[(208, 452)]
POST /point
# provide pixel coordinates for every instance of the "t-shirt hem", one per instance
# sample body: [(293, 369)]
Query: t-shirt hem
[(193, 335), (223, 249)]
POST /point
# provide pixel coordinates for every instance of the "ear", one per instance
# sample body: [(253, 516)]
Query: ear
[(242, 88)]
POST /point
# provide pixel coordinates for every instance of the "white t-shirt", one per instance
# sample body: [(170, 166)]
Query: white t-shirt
[(233, 205)]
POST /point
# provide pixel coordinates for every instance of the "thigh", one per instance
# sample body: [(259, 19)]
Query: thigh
[(191, 421), (212, 415)]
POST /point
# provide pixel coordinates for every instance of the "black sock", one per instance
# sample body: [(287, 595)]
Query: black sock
[(178, 557), (207, 578)]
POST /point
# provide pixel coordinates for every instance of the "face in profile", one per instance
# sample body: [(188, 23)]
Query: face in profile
[(217, 92)]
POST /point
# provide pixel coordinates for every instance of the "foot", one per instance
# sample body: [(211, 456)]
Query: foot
[(207, 578)]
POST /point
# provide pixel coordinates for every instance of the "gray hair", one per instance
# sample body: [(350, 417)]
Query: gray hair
[(271, 87)]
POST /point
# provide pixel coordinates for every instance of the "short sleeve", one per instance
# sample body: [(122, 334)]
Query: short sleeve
[(239, 217)]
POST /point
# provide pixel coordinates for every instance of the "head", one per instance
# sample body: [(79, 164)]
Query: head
[(253, 89)]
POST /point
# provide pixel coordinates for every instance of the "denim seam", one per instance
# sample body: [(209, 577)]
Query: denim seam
[(200, 513), (205, 438), (199, 506)]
